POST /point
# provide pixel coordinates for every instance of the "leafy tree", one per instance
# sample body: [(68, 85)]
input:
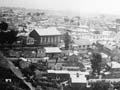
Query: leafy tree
[(73, 60), (96, 63), (7, 36), (3, 26), (67, 40), (100, 85)]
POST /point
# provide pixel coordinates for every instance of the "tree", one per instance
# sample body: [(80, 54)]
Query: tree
[(96, 63), (67, 40), (3, 26), (7, 36), (73, 60), (100, 85), (9, 70)]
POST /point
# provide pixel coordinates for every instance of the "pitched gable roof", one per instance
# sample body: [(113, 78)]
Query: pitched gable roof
[(47, 31)]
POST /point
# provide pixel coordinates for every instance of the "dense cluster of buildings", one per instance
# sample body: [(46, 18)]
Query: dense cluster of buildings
[(47, 30), (44, 34)]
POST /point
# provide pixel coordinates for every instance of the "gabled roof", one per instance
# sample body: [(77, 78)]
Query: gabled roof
[(47, 31)]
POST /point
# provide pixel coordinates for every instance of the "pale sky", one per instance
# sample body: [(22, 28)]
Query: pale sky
[(82, 6)]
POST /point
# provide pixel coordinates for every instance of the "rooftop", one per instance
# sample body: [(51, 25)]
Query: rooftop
[(82, 42), (47, 31), (52, 50)]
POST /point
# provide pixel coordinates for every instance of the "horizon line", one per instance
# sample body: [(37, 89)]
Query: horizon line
[(71, 11)]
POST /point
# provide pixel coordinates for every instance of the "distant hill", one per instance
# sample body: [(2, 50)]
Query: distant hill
[(63, 12)]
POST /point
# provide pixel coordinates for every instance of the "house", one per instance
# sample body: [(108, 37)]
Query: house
[(81, 44), (46, 36), (52, 52)]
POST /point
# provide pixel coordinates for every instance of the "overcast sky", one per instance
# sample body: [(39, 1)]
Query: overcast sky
[(82, 6)]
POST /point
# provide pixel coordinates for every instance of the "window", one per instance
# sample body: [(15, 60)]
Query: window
[(30, 41)]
